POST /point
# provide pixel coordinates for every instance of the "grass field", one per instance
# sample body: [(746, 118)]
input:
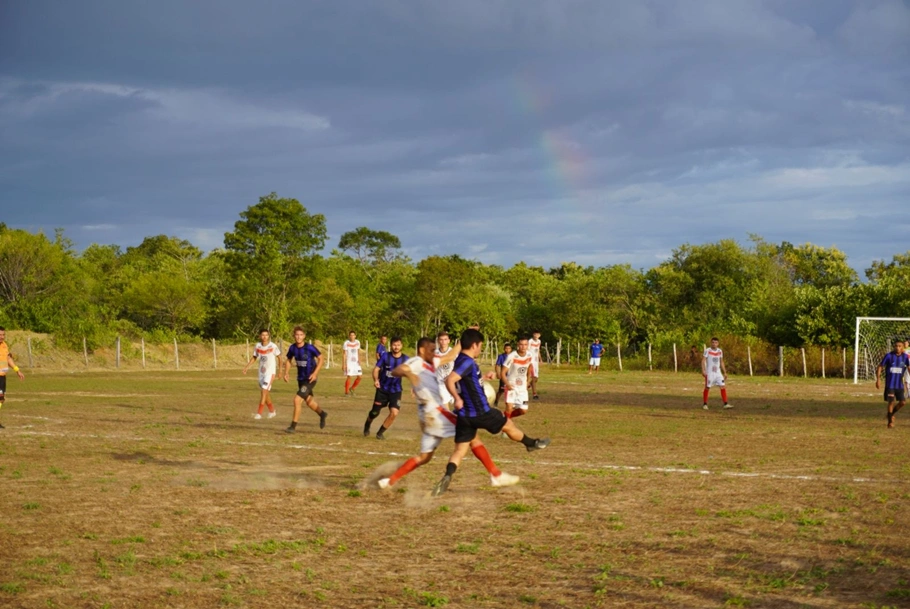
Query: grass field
[(157, 489)]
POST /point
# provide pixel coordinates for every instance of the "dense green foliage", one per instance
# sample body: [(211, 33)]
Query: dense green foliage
[(270, 274)]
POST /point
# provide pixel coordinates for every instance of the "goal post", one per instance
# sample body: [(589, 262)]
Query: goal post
[(875, 336)]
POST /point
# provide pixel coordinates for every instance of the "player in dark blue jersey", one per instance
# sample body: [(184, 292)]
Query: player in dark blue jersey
[(597, 349), (381, 346), (309, 362), (474, 412), (894, 365), (388, 388), (500, 360)]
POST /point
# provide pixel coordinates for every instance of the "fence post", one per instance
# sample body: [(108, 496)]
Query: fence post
[(85, 350), (247, 349), (749, 356), (675, 362), (619, 356), (29, 343), (803, 351), (558, 351), (176, 354), (118, 351), (650, 367), (780, 365), (143, 351), (823, 362), (214, 356), (843, 351)]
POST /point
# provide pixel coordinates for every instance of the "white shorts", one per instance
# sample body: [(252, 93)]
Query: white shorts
[(714, 380), (265, 381), (535, 368), (354, 370), (517, 397), (438, 423), (595, 361)]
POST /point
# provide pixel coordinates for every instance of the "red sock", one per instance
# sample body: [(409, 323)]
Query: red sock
[(261, 406), (481, 453), (356, 382), (517, 413), (347, 384), (271, 407), (705, 394), (723, 394), (407, 467), (508, 414)]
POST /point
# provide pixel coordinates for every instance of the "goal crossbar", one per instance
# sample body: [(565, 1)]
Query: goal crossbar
[(867, 360)]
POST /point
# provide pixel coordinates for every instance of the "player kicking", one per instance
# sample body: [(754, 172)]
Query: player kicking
[(516, 375), (436, 420), (309, 362), (597, 350), (388, 388), (351, 364), (473, 410), (6, 361), (894, 365), (500, 360), (534, 350), (268, 355), (715, 373)]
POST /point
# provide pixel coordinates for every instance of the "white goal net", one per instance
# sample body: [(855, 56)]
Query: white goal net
[(875, 336)]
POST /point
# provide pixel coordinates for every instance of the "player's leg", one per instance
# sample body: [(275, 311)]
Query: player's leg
[(515, 434), (356, 382), (298, 403), (268, 399), (428, 446), (499, 393), (497, 477), (314, 406), (723, 391), (2, 394), (380, 401), (706, 392), (263, 397), (464, 433), (347, 386), (394, 409)]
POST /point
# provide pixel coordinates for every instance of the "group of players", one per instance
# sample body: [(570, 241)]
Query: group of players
[(446, 380)]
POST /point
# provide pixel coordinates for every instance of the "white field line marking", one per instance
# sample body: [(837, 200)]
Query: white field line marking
[(587, 466)]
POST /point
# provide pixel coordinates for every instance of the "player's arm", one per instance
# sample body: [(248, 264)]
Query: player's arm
[(704, 365), (451, 380), (320, 360), (12, 364), (287, 366), (376, 373), (450, 357), (878, 375), (723, 368), (404, 371), (252, 359)]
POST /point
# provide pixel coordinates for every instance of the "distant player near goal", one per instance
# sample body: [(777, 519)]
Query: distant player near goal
[(381, 346), (309, 362), (715, 373), (6, 362), (500, 360), (268, 355), (351, 364), (894, 365), (597, 350), (534, 350), (516, 375)]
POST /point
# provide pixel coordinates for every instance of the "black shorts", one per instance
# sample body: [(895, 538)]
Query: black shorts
[(894, 395), (466, 427), (383, 399), (305, 389), (502, 387), (2, 387)]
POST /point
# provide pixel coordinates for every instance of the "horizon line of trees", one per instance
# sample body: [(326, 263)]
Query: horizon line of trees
[(269, 274)]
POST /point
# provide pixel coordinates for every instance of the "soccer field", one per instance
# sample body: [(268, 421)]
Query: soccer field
[(158, 489)]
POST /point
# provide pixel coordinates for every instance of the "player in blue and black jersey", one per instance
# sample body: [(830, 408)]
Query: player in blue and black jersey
[(474, 412), (381, 346), (597, 349), (894, 364), (309, 362), (388, 388), (500, 360)]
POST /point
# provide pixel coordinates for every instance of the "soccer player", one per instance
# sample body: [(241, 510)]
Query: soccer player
[(534, 350), (473, 410), (309, 362), (388, 388), (446, 355), (597, 349), (268, 355), (712, 368), (894, 364), (381, 346), (351, 364), (500, 360), (436, 420), (516, 375), (6, 361)]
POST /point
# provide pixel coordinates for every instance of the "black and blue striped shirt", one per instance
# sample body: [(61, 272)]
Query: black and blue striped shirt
[(470, 387)]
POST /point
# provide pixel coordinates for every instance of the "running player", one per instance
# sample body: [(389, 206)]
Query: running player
[(268, 355), (446, 355), (597, 349), (516, 374), (388, 388), (894, 364), (6, 361), (534, 350), (436, 420), (473, 410), (309, 362), (351, 364), (381, 346), (500, 360), (712, 368)]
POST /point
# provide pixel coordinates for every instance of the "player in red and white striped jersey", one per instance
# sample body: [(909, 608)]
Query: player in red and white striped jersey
[(516, 375), (350, 366), (534, 350), (712, 368)]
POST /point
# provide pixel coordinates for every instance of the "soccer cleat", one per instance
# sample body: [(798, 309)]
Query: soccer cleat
[(366, 429), (705, 406), (272, 414), (536, 397), (352, 393), (257, 416), (503, 479), (539, 444), (290, 430), (441, 486), (1, 426), (728, 406), (384, 483), (379, 434), (322, 418)]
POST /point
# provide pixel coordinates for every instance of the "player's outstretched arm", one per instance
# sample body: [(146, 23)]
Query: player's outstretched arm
[(404, 371), (450, 356)]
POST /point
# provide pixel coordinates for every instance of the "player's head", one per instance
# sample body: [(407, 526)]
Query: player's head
[(474, 326), (352, 335), (596, 340), (426, 349), (2, 334), (507, 348), (264, 335), (471, 342), (383, 339), (715, 342), (443, 339), (535, 334), (899, 346), (522, 345), (299, 334), (396, 345)]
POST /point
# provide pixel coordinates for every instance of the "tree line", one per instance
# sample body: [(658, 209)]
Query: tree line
[(271, 273)]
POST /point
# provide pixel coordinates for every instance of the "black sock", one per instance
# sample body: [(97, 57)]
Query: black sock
[(293, 424), (450, 469), (528, 441)]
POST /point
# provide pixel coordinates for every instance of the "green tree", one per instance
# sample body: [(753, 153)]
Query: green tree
[(370, 247)]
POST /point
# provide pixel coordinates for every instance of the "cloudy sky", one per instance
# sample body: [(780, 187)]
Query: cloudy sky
[(539, 130)]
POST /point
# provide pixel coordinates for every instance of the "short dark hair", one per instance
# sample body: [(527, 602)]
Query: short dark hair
[(715, 338), (297, 329), (2, 329), (383, 336), (506, 344), (263, 330), (470, 337), (351, 332), (425, 341), (441, 334), (395, 339)]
